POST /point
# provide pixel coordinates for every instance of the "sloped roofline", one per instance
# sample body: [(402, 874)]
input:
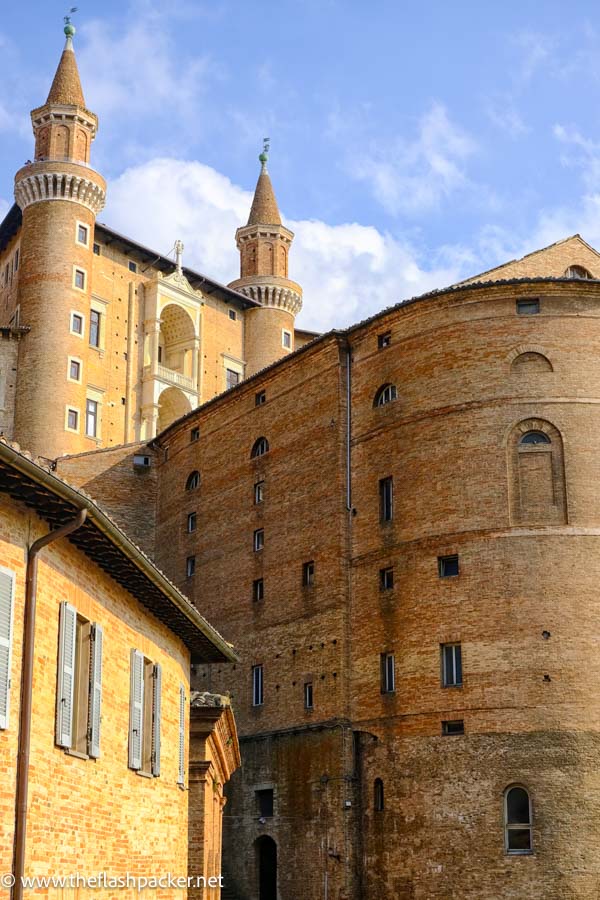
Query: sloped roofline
[(102, 540)]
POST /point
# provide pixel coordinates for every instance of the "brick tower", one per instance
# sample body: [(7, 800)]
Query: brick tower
[(59, 196), (264, 244)]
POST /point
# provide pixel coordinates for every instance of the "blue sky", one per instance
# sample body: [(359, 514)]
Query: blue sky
[(412, 144)]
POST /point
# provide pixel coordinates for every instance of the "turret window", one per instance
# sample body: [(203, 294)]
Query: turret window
[(286, 339), (72, 419), (77, 324), (79, 279), (83, 234), (94, 328)]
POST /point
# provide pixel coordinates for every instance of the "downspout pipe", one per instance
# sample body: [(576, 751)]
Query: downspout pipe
[(22, 786)]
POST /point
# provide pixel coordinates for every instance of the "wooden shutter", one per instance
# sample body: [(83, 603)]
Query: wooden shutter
[(6, 629), (67, 636), (156, 688), (95, 691), (182, 717), (136, 710)]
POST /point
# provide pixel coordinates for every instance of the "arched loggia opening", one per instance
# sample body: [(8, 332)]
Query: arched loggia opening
[(266, 860), (176, 340), (172, 404)]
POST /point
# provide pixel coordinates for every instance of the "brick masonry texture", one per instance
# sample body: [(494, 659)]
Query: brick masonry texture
[(101, 814)]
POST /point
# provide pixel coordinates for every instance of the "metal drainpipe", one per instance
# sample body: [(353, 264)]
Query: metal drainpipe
[(22, 788)]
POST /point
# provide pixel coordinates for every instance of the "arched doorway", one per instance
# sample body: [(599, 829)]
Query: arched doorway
[(266, 852), (172, 404)]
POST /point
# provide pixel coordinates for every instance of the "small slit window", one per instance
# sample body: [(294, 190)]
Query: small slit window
[(535, 437), (386, 394), (261, 446), (378, 800), (528, 307), (193, 481), (194, 435), (517, 821)]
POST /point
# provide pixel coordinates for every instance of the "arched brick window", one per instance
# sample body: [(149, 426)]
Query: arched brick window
[(578, 272), (518, 821), (261, 446), (537, 474), (531, 363), (385, 394), (193, 481)]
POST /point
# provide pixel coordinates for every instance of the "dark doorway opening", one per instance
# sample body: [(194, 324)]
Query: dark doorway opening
[(267, 868)]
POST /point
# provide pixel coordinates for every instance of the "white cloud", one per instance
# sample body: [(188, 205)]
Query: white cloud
[(415, 176), (348, 271)]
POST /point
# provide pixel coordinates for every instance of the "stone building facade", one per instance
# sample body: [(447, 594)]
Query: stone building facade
[(398, 524), (95, 653), (117, 340)]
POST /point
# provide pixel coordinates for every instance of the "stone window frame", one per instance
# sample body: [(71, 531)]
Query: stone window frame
[(84, 272), (70, 360), (70, 408), (97, 396), (101, 307), (84, 225), (76, 312)]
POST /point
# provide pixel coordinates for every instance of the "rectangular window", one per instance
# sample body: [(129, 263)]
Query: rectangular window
[(264, 803), (140, 461), (76, 323), (308, 695), (80, 279), (260, 397), (132, 266), (79, 690), (232, 315), (194, 435), (528, 307), (386, 579), (72, 419), (7, 608), (82, 234), (191, 522), (96, 249), (259, 492), (190, 566), (259, 539), (91, 418), (16, 264), (233, 378), (94, 328), (451, 665), (286, 339), (388, 674), (258, 589), (144, 715), (257, 686), (448, 566), (384, 340), (386, 499), (74, 370), (455, 727), (308, 574)]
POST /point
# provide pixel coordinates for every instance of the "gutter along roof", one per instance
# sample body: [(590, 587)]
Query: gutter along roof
[(101, 539)]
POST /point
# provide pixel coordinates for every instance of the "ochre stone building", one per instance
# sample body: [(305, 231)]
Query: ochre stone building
[(396, 525), (95, 653)]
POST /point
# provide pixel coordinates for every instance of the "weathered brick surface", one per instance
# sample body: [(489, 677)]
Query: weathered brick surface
[(90, 816)]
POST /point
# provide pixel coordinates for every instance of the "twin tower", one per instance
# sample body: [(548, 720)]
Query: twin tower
[(113, 344)]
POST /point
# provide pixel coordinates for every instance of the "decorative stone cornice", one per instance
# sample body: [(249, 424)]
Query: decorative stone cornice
[(271, 291), (40, 182)]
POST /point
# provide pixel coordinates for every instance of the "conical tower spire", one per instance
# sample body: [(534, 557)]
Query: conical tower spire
[(264, 245), (264, 210), (66, 87)]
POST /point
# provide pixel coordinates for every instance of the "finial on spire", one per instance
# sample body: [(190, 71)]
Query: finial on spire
[(179, 248), (265, 152), (69, 29)]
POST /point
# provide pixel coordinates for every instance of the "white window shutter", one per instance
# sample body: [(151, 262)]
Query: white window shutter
[(182, 711), (136, 710), (156, 688), (95, 691), (6, 628), (67, 636)]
